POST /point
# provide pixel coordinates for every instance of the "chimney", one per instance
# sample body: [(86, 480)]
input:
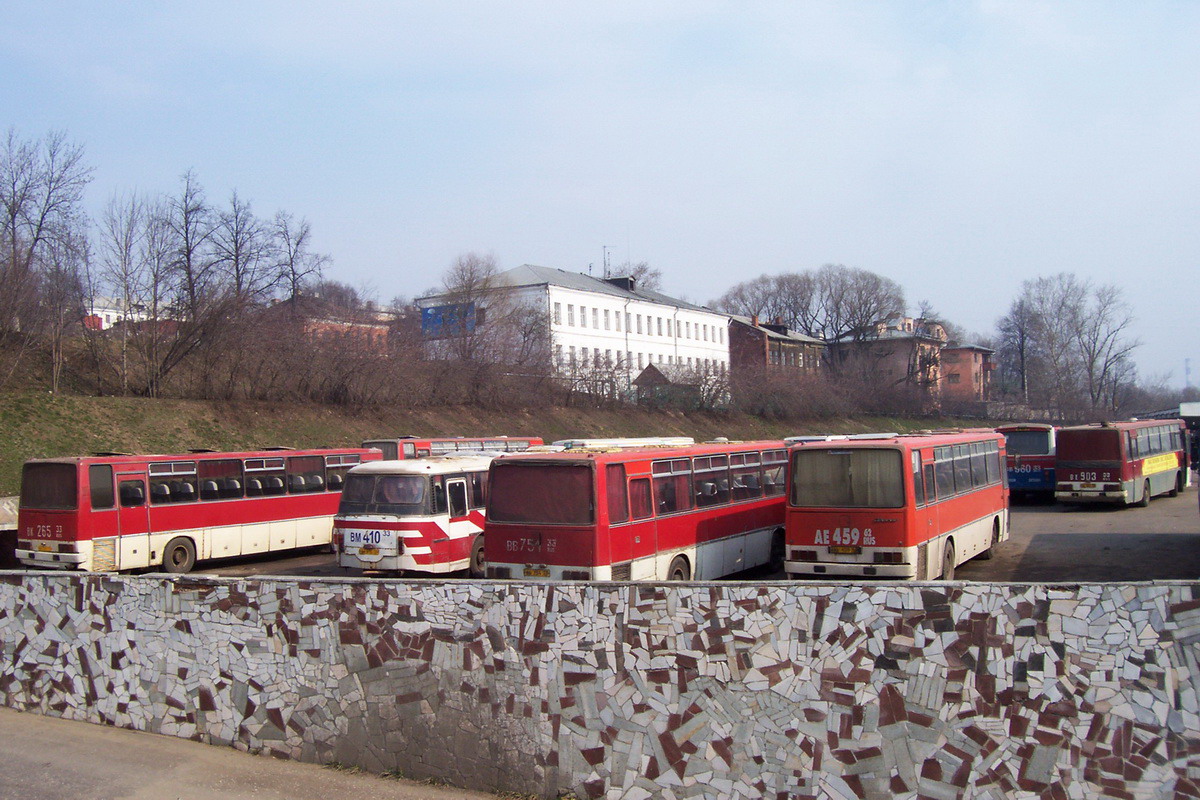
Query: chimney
[(754, 320)]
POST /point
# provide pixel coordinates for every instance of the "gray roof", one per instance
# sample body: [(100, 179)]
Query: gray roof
[(532, 275), (790, 336)]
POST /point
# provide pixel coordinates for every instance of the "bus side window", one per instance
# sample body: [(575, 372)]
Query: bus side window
[(478, 489), (133, 493), (438, 495), (639, 498), (918, 484), (100, 480), (457, 490), (930, 486), (618, 500)]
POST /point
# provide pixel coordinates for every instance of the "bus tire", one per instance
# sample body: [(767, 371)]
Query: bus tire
[(478, 567), (1145, 501), (179, 556), (986, 555), (948, 561), (679, 570), (1175, 490), (778, 555)]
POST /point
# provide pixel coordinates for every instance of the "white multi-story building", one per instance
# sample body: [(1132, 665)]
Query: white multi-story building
[(609, 326)]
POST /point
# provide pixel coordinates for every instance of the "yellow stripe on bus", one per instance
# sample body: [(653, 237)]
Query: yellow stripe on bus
[(1160, 463)]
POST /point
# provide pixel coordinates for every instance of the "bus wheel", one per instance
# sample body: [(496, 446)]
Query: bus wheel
[(679, 570), (948, 561), (179, 556), (1145, 501), (777, 558), (991, 551), (1178, 485), (478, 568)]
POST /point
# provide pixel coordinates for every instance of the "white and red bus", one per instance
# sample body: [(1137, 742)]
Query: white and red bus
[(649, 513), (416, 447), (1031, 450), (1121, 462), (419, 515), (123, 512), (895, 506)]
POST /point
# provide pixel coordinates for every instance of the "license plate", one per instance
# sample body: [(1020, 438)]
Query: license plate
[(368, 550), (537, 572), (45, 547), (362, 537), (845, 550)]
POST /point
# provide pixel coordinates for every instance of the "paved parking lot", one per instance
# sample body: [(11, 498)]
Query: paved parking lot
[(1049, 542)]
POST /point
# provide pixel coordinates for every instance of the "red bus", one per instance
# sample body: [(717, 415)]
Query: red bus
[(895, 506), (415, 447), (1031, 454), (654, 513), (1121, 462), (122, 512), (419, 515)]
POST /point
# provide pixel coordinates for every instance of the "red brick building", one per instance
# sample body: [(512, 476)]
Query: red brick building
[(755, 346)]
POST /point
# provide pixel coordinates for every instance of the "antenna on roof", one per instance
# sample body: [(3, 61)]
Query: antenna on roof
[(607, 274), (589, 268)]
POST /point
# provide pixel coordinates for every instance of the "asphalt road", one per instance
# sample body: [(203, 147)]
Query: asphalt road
[(1048, 543), (42, 758)]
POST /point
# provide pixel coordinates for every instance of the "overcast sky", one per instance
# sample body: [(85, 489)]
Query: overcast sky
[(957, 148)]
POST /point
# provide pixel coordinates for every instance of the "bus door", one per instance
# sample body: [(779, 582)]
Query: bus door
[(455, 544), (925, 522), (641, 539), (133, 522)]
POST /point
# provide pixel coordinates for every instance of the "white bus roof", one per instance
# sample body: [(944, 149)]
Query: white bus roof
[(619, 442), (430, 465)]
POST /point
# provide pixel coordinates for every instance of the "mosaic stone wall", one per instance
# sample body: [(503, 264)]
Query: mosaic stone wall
[(611, 690)]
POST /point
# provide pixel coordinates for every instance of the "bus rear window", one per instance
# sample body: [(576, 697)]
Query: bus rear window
[(1097, 445), (1027, 443), (541, 494), (852, 478), (49, 486)]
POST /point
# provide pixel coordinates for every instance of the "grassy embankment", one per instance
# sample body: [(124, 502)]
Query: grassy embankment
[(37, 425)]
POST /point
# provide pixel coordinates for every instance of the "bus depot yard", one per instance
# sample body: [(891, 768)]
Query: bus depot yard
[(1049, 543)]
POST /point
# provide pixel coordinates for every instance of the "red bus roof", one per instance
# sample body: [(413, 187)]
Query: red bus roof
[(1123, 425), (204, 455), (906, 441), (624, 454)]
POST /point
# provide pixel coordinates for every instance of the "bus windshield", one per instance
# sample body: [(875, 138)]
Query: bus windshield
[(1097, 445), (542, 494), (851, 478), (403, 495), (1027, 443), (49, 486)]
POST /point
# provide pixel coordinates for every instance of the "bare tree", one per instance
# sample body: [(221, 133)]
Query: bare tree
[(41, 187), (296, 265), (123, 226), (61, 296), (1104, 348), (644, 276), (242, 249)]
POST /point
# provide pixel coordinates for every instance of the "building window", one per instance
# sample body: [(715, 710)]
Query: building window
[(582, 317), (706, 333), (628, 317), (618, 321), (596, 318), (608, 358), (572, 355), (583, 351), (639, 323), (607, 321), (721, 331), (596, 358), (659, 326), (570, 315), (558, 313), (952, 378)]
